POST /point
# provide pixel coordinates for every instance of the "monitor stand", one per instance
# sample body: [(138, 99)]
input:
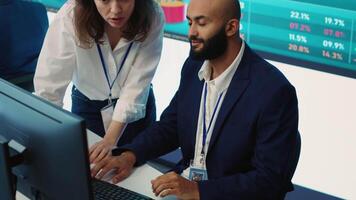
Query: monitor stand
[(9, 157)]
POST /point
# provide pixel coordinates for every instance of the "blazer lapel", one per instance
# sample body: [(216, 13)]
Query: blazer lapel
[(190, 102), (235, 90), (196, 90)]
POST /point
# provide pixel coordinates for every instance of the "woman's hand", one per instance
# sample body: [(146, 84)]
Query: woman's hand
[(100, 150), (103, 148)]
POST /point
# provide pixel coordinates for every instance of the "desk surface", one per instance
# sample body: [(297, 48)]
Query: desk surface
[(139, 181)]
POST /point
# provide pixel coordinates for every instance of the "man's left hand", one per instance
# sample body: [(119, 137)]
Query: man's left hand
[(174, 184)]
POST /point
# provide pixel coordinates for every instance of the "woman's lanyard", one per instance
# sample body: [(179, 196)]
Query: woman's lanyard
[(118, 71), (205, 130)]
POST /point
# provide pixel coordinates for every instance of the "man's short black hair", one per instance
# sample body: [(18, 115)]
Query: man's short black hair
[(236, 9)]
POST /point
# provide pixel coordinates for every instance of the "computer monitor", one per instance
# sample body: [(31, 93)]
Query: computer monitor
[(55, 163)]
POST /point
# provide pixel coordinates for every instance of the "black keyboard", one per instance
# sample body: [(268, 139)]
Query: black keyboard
[(107, 191)]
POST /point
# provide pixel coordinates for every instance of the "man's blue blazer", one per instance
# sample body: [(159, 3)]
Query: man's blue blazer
[(253, 150)]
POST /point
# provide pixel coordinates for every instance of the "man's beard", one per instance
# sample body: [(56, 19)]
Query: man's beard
[(212, 47)]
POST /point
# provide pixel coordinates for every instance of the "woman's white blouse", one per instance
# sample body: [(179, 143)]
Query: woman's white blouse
[(61, 61)]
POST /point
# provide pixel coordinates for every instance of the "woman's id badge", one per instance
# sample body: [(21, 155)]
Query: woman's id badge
[(106, 115)]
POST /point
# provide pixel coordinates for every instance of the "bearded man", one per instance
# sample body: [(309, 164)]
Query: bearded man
[(234, 116)]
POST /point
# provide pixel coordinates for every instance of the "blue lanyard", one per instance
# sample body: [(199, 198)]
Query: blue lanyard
[(104, 66), (206, 131)]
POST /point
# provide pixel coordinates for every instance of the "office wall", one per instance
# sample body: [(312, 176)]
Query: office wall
[(327, 107)]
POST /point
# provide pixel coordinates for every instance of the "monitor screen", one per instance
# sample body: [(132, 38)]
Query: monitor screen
[(55, 162)]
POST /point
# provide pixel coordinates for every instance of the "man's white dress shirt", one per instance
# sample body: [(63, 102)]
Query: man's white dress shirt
[(215, 88)]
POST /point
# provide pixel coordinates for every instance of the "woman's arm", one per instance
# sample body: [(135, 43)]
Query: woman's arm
[(56, 62)]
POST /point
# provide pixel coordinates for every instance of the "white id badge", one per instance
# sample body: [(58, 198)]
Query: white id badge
[(106, 115)]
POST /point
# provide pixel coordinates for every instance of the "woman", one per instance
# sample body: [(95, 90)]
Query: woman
[(110, 50)]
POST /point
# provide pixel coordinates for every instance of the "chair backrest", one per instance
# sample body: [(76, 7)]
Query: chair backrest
[(23, 26)]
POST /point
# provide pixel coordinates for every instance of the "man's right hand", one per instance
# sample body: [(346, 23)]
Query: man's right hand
[(122, 166)]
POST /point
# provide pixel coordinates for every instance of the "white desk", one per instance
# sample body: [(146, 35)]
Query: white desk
[(139, 181)]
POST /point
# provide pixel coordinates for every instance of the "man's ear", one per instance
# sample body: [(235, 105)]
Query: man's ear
[(232, 27)]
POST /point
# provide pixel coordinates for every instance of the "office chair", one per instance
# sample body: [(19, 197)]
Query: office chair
[(23, 26)]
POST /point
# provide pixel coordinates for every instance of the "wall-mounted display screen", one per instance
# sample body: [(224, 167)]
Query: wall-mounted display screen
[(317, 34)]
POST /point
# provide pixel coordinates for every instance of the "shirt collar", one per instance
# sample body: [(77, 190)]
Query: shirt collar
[(123, 42), (221, 82)]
